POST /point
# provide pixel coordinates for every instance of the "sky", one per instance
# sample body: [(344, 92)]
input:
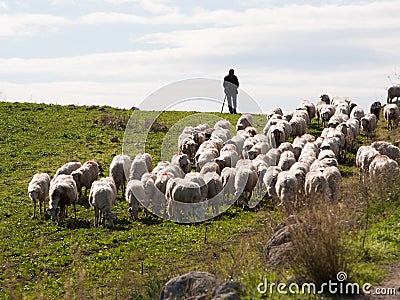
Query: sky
[(121, 52)]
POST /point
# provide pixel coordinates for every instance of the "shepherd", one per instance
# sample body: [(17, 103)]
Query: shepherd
[(231, 85)]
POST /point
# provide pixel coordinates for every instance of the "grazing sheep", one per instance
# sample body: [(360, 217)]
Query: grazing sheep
[(101, 199), (63, 192), (274, 111), (110, 181), (210, 167), (286, 189), (68, 168), (325, 98), (238, 141), (325, 112), (368, 124), (336, 119), (257, 149), (270, 178), (85, 176), (198, 178), (162, 180), (38, 190), (393, 92), (188, 146), (392, 115), (214, 190), (161, 165), (119, 169), (224, 124), (302, 113), (244, 121), (299, 126), (310, 107), (182, 160), (135, 194)]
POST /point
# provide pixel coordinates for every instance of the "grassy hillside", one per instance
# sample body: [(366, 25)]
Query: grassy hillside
[(41, 260)]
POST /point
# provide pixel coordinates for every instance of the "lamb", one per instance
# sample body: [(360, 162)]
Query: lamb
[(135, 193), (182, 161), (63, 192), (244, 121), (85, 176), (286, 189), (68, 168), (38, 190), (368, 124), (392, 115), (101, 199), (119, 170)]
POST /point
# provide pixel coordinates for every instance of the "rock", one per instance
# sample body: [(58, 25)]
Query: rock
[(193, 285), (114, 139), (200, 286), (278, 249)]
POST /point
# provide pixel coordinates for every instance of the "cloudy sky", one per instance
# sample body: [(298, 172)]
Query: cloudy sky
[(117, 52)]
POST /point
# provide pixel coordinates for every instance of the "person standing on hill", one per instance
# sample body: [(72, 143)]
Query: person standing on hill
[(231, 85)]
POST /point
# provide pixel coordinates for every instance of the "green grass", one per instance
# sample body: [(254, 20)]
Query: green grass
[(41, 260)]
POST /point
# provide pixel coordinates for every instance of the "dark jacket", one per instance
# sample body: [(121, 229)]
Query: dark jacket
[(231, 84)]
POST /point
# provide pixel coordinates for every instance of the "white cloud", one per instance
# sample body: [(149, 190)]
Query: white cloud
[(152, 6), (29, 24), (3, 6)]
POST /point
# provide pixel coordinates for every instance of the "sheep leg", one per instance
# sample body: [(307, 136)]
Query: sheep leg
[(96, 217), (34, 209)]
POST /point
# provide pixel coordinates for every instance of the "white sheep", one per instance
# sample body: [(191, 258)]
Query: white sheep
[(316, 186), (182, 160), (364, 157), (228, 181), (38, 190), (68, 168), (388, 149), (245, 181), (334, 179), (383, 169), (244, 121), (207, 156), (101, 199), (286, 189), (135, 194), (357, 113), (270, 178), (392, 115), (286, 160), (62, 193), (85, 176), (227, 158), (119, 170), (299, 126), (138, 167), (368, 124)]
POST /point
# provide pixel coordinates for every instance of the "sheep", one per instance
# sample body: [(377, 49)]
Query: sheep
[(198, 178), (269, 180), (325, 98), (139, 166), (135, 194), (119, 170), (182, 161), (162, 180), (101, 199), (273, 120), (62, 193), (368, 124), (175, 170), (383, 169), (286, 160), (182, 191), (227, 158), (325, 112), (257, 149), (310, 107), (210, 167), (392, 115), (68, 168), (245, 181), (224, 124), (375, 109), (299, 126), (393, 92), (334, 179), (214, 190), (85, 176), (275, 155), (228, 181), (188, 146), (206, 147), (336, 119), (286, 189), (244, 121), (38, 190), (387, 149), (238, 141), (110, 181), (302, 113), (160, 167), (205, 157), (316, 186), (274, 111), (364, 157), (357, 113)]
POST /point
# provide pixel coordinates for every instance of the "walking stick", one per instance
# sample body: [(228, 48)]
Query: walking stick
[(223, 104)]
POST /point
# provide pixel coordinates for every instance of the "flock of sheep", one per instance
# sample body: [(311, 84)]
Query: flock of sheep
[(231, 169)]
